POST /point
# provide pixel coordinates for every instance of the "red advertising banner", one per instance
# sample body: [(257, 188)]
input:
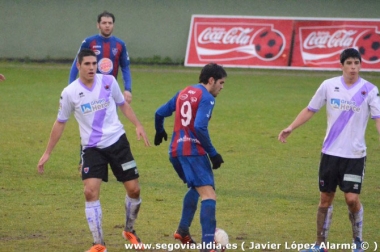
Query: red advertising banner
[(318, 43), (287, 43), (235, 41)]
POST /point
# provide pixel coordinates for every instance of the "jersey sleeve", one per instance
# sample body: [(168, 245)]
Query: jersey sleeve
[(65, 107), (319, 98), (116, 92), (125, 70), (202, 118), (374, 103), (165, 110), (74, 70)]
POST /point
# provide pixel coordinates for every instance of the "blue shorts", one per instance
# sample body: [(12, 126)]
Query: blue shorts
[(195, 171)]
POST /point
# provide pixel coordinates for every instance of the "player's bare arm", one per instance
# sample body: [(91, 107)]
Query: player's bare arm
[(55, 135), (131, 116), (302, 118)]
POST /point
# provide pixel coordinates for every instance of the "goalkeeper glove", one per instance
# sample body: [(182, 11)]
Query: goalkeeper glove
[(216, 161), (159, 136)]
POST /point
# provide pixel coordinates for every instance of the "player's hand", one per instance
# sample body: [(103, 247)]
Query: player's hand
[(127, 96), (159, 136), (43, 160), (2, 77), (140, 132), (284, 134), (216, 161)]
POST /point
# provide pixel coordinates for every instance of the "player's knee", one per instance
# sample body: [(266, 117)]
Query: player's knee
[(134, 192), (90, 194), (352, 202)]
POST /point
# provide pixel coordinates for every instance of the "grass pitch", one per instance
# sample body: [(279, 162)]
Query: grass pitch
[(267, 191)]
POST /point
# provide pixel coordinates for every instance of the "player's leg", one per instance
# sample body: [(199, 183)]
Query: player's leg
[(94, 171), (351, 184), (207, 215), (189, 207), (125, 170), (328, 182), (324, 216), (200, 176)]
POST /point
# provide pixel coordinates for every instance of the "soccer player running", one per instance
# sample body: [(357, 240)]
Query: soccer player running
[(111, 52), (191, 148), (349, 100), (93, 99)]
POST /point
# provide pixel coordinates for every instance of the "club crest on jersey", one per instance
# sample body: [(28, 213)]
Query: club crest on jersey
[(94, 106), (114, 51), (344, 105), (193, 99), (183, 97), (86, 169), (363, 93)]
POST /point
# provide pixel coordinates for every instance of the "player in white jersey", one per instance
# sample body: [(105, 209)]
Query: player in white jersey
[(350, 101), (93, 99)]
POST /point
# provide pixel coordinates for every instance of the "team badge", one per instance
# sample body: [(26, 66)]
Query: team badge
[(114, 51), (86, 169)]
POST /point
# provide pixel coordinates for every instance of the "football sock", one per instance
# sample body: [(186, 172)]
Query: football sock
[(94, 219), (190, 202), (208, 221), (132, 207), (357, 223), (324, 217)]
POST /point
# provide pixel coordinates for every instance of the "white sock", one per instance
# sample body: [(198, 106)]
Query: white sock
[(357, 223), (94, 219), (132, 207)]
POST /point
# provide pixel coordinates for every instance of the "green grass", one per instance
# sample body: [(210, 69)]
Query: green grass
[(267, 191)]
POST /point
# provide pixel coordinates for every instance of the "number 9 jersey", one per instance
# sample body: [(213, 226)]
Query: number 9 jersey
[(193, 108)]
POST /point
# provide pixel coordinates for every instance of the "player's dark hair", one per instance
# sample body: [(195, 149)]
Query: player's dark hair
[(349, 53), (85, 52), (106, 14), (212, 70)]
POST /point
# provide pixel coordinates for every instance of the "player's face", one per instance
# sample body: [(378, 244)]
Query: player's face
[(351, 68), (216, 86), (87, 69), (105, 26)]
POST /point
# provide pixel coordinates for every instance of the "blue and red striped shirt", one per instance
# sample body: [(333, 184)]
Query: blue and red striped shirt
[(193, 108), (111, 53)]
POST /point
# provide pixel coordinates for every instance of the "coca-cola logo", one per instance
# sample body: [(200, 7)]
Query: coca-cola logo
[(264, 43), (323, 45), (219, 35), (324, 39)]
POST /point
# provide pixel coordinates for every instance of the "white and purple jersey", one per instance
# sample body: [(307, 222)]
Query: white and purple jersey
[(348, 109), (94, 109)]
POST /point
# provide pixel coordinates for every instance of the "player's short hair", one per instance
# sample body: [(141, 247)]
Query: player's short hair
[(106, 14), (83, 53), (350, 53), (212, 70)]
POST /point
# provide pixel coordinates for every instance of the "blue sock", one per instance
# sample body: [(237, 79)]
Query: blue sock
[(208, 221), (190, 202)]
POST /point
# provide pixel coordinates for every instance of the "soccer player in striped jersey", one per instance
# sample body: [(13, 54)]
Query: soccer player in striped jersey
[(93, 99), (350, 100), (111, 52), (191, 148)]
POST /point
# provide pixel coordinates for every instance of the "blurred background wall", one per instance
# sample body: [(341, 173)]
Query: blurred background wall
[(54, 29)]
